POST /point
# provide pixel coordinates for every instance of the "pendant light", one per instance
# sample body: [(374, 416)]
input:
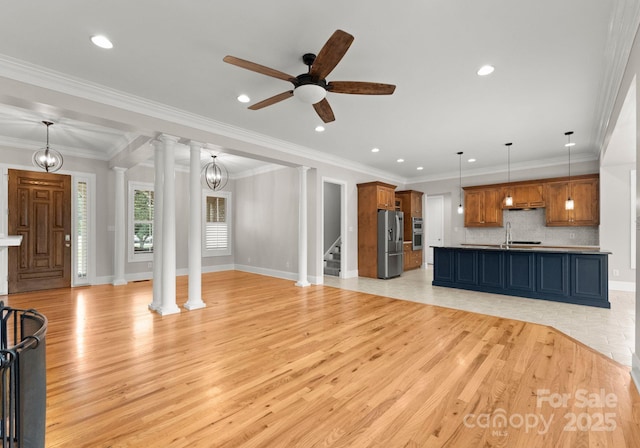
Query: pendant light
[(508, 201), (568, 205), (215, 175), (460, 208), (47, 158)]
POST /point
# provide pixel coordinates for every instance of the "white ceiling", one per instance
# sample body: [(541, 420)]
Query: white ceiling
[(555, 70)]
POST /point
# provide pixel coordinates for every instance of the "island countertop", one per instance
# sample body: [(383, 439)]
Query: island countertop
[(534, 248)]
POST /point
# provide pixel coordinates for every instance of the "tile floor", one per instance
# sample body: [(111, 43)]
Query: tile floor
[(610, 331)]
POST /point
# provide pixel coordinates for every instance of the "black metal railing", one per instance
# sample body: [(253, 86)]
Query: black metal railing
[(22, 377)]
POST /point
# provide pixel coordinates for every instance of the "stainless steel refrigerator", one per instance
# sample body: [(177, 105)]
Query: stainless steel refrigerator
[(390, 238)]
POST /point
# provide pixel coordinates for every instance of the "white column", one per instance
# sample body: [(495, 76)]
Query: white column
[(195, 230), (302, 229), (156, 303), (168, 227), (120, 236)]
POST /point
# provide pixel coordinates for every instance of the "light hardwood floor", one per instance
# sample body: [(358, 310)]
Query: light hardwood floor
[(268, 364)]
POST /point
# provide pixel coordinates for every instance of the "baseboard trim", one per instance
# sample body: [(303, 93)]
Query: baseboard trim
[(350, 274), (141, 276), (268, 272), (622, 286)]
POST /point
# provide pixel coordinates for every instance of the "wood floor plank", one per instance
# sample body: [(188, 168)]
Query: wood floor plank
[(269, 364)]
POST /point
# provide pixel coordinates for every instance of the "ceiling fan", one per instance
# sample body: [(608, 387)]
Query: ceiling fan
[(312, 87)]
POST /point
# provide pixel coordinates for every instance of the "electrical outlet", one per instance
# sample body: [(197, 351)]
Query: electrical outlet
[(616, 273), (572, 236), (150, 265)]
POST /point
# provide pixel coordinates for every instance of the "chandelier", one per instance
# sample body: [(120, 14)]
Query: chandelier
[(47, 158)]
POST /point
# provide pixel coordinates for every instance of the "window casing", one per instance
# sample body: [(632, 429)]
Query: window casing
[(141, 211), (216, 225)]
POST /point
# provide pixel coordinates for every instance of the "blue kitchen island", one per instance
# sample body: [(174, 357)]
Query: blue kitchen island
[(577, 276)]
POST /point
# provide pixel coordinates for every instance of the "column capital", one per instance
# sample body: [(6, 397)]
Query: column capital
[(166, 138), (119, 169), (193, 145)]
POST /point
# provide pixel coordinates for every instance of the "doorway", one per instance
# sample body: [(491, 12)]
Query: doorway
[(40, 211), (435, 224), (333, 228)]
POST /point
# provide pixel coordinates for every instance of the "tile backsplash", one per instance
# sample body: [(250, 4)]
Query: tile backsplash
[(529, 225)]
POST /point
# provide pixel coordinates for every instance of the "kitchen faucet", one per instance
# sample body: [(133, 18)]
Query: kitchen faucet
[(507, 235)]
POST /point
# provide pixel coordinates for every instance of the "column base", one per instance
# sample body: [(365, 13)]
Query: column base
[(166, 311), (303, 284), (194, 305), (119, 282), (153, 307)]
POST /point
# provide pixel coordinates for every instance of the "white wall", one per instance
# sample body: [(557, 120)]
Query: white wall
[(266, 222), (615, 221), (630, 80)]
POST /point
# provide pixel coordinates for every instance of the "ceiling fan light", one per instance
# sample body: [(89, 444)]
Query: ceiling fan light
[(310, 93)]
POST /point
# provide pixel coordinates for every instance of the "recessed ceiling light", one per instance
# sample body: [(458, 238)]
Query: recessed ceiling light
[(244, 98), (400, 160), (101, 41), (420, 168), (471, 160), (319, 128), (485, 70), (375, 150)]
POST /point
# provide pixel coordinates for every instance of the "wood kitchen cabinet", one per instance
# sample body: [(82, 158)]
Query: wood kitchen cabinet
[(372, 196), (524, 195), (386, 195), (584, 191), (411, 205), (483, 206), (412, 258)]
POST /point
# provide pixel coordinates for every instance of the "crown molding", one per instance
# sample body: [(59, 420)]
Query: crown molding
[(25, 72), (522, 166), (623, 27)]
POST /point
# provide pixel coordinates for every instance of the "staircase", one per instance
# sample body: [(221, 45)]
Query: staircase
[(332, 259)]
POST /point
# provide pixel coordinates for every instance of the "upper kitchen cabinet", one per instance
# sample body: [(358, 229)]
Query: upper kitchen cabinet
[(584, 190), (385, 194), (483, 206), (411, 201), (525, 195)]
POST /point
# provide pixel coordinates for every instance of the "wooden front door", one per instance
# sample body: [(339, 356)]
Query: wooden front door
[(40, 211)]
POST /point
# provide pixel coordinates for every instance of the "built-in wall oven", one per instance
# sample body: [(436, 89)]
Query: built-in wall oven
[(416, 233)]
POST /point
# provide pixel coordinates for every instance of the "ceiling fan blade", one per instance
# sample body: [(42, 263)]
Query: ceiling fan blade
[(273, 100), (324, 111), (330, 54), (361, 88), (258, 68)]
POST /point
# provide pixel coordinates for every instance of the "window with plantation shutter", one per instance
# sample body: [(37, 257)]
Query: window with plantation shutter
[(82, 230), (216, 227), (83, 241), (141, 211)]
